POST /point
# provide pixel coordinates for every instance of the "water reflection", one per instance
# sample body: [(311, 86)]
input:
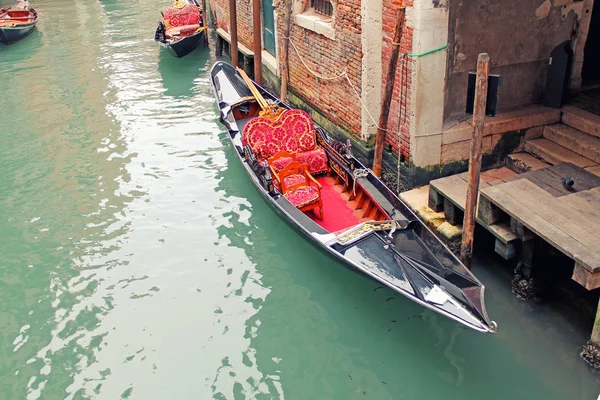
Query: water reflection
[(22, 50), (179, 74), (137, 260)]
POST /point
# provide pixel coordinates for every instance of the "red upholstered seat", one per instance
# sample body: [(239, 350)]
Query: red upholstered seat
[(184, 30), (293, 132), (315, 159), (303, 196), (280, 163), (188, 15), (291, 180)]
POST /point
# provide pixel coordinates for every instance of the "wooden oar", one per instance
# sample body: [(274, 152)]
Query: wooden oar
[(259, 97), (271, 112)]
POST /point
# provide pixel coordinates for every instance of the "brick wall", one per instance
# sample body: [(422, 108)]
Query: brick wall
[(399, 115), (328, 58), (335, 99), (244, 19)]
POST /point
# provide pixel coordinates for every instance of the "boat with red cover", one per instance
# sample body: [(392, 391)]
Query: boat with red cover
[(182, 28), (17, 22), (317, 185)]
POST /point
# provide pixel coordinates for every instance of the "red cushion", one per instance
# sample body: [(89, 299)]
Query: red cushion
[(293, 131), (303, 196), (188, 15), (185, 30), (315, 159), (291, 180), (280, 163)]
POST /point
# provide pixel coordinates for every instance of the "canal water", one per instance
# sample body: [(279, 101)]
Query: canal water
[(136, 261)]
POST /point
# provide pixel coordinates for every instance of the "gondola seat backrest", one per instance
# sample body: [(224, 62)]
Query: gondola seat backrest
[(18, 13), (188, 15), (293, 132)]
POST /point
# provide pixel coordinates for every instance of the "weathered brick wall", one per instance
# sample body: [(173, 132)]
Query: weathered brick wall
[(328, 58), (244, 19), (336, 99), (399, 117)]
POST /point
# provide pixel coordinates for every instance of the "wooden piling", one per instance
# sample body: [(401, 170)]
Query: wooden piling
[(481, 88), (595, 338), (233, 49), (285, 45), (389, 89), (205, 19), (257, 41)]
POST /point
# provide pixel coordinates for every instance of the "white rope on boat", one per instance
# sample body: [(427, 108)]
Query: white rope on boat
[(358, 173)]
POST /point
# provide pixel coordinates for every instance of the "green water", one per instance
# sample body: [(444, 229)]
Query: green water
[(136, 261)]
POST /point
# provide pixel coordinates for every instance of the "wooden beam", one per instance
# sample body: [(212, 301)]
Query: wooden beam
[(285, 45), (481, 89), (389, 89), (595, 338), (257, 41), (233, 49)]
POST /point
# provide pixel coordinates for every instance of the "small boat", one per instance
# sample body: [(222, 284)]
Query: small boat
[(17, 22), (317, 185), (182, 28)]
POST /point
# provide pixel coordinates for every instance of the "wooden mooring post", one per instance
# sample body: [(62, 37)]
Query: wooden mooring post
[(591, 351), (233, 49), (257, 41), (285, 45), (481, 89), (389, 89)]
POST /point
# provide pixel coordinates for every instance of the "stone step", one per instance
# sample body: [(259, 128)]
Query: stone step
[(524, 162), (574, 140), (555, 154), (582, 120)]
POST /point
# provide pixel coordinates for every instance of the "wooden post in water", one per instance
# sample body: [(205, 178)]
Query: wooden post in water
[(481, 88), (389, 89), (233, 48), (285, 45), (595, 338), (257, 40), (205, 19)]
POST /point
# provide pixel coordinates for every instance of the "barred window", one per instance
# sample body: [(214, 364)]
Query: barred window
[(323, 7)]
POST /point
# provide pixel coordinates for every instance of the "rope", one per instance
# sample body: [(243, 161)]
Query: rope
[(325, 78), (358, 173), (343, 74)]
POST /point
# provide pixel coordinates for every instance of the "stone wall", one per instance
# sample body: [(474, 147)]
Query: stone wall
[(518, 36)]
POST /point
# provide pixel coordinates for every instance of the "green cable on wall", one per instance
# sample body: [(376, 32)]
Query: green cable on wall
[(428, 52)]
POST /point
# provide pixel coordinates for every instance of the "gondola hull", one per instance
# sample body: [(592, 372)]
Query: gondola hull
[(185, 46), (13, 33), (401, 253)]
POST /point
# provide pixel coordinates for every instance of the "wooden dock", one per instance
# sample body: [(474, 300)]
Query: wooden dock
[(518, 208)]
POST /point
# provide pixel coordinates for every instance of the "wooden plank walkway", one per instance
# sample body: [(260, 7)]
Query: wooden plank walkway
[(517, 207), (450, 195), (567, 224)]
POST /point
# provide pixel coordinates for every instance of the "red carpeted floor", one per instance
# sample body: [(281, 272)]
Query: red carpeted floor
[(337, 214)]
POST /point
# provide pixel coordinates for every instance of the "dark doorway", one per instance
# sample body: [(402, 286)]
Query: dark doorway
[(591, 59)]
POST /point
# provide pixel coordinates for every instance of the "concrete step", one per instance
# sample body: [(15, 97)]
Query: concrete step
[(574, 140), (582, 120), (555, 154), (523, 162)]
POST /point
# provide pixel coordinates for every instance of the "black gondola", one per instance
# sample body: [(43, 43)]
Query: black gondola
[(17, 22), (181, 37), (381, 238)]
